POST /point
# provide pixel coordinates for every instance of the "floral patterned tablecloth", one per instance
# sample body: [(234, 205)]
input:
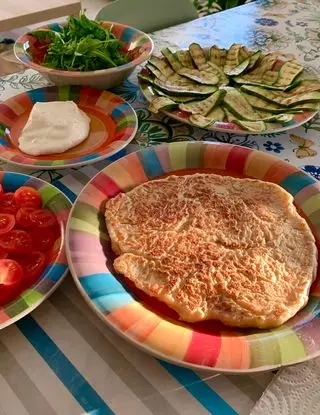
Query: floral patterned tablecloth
[(104, 374)]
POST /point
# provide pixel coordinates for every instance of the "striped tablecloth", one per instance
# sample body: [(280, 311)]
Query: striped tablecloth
[(62, 359)]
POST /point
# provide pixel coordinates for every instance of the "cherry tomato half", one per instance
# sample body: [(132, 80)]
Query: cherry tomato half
[(42, 238), (28, 196), (33, 264), (16, 241), (43, 218), (7, 222), (7, 203), (23, 217), (3, 254), (11, 273)]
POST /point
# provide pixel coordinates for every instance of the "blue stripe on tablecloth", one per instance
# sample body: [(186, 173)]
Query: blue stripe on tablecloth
[(69, 193), (199, 390), (72, 379)]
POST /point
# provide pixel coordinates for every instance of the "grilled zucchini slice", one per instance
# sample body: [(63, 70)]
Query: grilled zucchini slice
[(184, 58), (256, 126), (205, 106), (240, 68), (161, 103), (217, 56), (161, 65), (288, 73), (216, 115), (270, 77), (244, 54), (198, 56), (232, 60), (236, 103)]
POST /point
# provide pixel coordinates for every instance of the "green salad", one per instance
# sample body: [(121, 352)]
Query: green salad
[(82, 45)]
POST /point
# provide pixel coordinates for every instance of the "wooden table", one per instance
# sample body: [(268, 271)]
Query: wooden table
[(17, 13)]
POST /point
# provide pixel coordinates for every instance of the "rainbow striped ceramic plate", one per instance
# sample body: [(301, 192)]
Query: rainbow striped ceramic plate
[(148, 323), (57, 268), (113, 126)]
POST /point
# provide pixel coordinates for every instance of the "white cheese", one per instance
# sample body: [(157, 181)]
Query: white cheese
[(54, 127)]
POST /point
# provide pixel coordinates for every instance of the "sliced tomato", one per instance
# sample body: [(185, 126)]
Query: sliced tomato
[(42, 238), (16, 241), (7, 203), (28, 196), (33, 263), (23, 217), (11, 273), (7, 197), (43, 218), (3, 254), (7, 222)]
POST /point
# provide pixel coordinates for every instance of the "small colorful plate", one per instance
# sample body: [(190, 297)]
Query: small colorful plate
[(113, 126), (57, 268), (151, 325), (228, 127)]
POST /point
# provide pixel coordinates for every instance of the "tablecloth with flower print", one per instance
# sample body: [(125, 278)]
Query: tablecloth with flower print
[(149, 386)]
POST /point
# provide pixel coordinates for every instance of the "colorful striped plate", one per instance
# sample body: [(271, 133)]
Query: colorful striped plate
[(113, 126), (148, 323), (57, 268)]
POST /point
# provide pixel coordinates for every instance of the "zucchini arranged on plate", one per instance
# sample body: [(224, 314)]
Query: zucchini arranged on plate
[(234, 85)]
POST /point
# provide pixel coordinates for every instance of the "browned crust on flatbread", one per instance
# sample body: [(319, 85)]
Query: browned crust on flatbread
[(215, 247)]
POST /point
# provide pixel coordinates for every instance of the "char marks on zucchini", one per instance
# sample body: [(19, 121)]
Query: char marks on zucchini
[(233, 85)]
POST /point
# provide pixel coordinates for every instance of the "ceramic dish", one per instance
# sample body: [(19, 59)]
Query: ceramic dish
[(113, 126), (274, 127), (57, 268), (149, 324), (138, 44)]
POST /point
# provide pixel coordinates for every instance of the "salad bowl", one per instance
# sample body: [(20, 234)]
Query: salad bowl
[(135, 43)]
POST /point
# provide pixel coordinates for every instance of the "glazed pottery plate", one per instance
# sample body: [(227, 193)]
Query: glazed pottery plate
[(113, 126), (274, 127), (57, 265), (150, 324)]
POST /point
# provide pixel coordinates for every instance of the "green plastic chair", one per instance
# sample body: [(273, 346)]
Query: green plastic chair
[(149, 15)]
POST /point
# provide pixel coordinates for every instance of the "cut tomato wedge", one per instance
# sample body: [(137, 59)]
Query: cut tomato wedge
[(11, 273), (7, 222), (3, 254), (42, 238), (23, 217), (28, 196), (43, 218), (16, 241), (33, 264), (7, 203)]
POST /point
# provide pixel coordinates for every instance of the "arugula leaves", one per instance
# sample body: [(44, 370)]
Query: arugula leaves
[(82, 45)]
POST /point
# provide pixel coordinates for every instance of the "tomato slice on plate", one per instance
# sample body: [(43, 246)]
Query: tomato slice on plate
[(23, 217), (7, 222), (16, 241), (3, 254), (42, 238), (43, 218), (28, 196), (11, 273), (7, 203), (33, 263)]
